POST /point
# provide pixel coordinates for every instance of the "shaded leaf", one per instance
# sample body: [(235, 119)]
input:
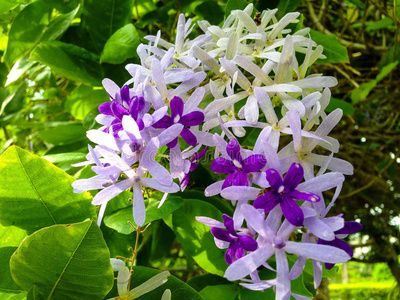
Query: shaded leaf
[(63, 134), (226, 292), (286, 6), (233, 5), (196, 238), (70, 61), (65, 262), (8, 287), (333, 50), (119, 220), (334, 103), (34, 193), (210, 11)]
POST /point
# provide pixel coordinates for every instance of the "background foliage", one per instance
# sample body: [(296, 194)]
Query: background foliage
[(54, 54)]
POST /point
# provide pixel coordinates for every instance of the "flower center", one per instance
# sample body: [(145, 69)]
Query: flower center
[(237, 164), (279, 242), (281, 188), (176, 119)]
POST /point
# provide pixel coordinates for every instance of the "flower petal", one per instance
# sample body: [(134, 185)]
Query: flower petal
[(177, 106), (189, 137), (294, 176), (254, 163), (222, 165), (192, 119), (292, 211), (267, 201)]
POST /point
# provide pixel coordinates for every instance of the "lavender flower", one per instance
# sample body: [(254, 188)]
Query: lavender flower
[(237, 168), (193, 118), (284, 192), (237, 243)]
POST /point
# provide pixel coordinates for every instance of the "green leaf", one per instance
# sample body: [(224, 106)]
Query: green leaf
[(333, 50), (119, 220), (63, 6), (15, 101), (347, 108), (59, 25), (298, 287), (225, 291), (102, 18), (358, 3), (35, 193), (11, 236), (210, 11), (196, 238), (142, 7), (202, 281), (70, 61), (246, 294), (19, 69), (70, 157), (84, 99), (121, 45), (179, 289), (65, 262), (382, 23), (386, 70), (286, 6), (26, 30), (34, 294), (8, 287), (233, 5), (6, 5), (63, 134)]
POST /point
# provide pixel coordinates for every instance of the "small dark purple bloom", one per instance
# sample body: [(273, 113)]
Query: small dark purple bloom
[(348, 228), (284, 192), (123, 104), (191, 119), (237, 168), (194, 163), (237, 243)]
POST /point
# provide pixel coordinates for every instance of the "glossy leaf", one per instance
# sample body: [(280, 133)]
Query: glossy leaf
[(64, 262), (119, 220), (26, 30), (334, 103), (226, 292), (70, 61), (286, 6), (84, 99), (121, 45), (11, 236), (196, 238), (102, 18), (34, 193), (63, 134), (233, 5), (333, 50), (210, 11)]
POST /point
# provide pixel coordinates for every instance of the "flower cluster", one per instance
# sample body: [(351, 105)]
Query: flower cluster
[(187, 96)]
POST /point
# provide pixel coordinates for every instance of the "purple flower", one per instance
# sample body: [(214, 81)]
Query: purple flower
[(349, 228), (122, 104), (193, 118), (237, 243), (237, 168), (284, 192), (194, 163)]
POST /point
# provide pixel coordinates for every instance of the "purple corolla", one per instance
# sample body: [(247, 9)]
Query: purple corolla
[(284, 192), (348, 228), (238, 243), (237, 168), (193, 118), (123, 105)]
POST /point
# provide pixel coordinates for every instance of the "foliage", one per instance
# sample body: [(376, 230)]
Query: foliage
[(350, 291)]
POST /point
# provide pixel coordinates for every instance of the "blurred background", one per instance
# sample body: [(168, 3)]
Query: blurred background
[(54, 54)]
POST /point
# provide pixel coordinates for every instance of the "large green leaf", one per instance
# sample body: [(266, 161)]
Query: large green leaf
[(179, 289), (26, 30), (334, 103), (63, 134), (233, 5), (8, 287), (69, 61), (11, 236), (225, 291), (102, 18), (84, 99), (34, 193), (286, 6), (121, 45), (333, 50), (64, 262), (196, 238), (119, 220)]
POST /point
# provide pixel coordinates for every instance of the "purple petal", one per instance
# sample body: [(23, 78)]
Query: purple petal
[(267, 201), (293, 176), (118, 110), (239, 253), (222, 165), (254, 163), (240, 179), (164, 122), (282, 278), (306, 196), (274, 179), (189, 137), (229, 180), (233, 150), (228, 222), (221, 234), (105, 109), (172, 143), (192, 119), (292, 211), (230, 253), (177, 106), (248, 243), (349, 228)]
